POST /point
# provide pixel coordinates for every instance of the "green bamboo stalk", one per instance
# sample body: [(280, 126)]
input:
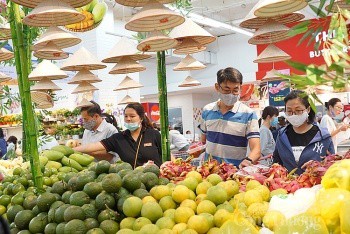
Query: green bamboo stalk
[(27, 109), (163, 105)]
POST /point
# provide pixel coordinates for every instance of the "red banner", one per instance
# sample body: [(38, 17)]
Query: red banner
[(152, 111)]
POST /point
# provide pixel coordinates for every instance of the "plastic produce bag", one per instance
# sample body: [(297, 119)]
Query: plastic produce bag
[(337, 175)]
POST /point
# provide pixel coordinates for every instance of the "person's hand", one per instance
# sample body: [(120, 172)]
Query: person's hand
[(245, 163), (344, 127)]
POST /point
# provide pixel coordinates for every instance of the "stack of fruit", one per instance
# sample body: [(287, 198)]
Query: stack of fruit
[(7, 166)]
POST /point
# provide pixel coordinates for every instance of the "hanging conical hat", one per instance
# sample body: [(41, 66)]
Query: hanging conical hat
[(140, 3), (53, 12), (124, 48), (189, 82), (126, 100), (34, 3), (271, 8), (84, 75), (271, 76), (157, 42), (189, 63), (51, 51), (5, 54), (270, 32), (341, 4), (84, 87), (253, 22), (4, 77), (5, 30), (189, 46), (47, 70), (272, 54), (190, 29), (58, 36), (127, 65), (84, 103), (154, 16), (128, 83), (45, 84), (42, 99), (82, 59)]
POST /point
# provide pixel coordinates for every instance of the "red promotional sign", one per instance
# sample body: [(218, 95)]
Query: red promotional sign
[(302, 53), (152, 111)]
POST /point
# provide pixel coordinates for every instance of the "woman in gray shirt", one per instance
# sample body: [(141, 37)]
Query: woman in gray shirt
[(267, 143)]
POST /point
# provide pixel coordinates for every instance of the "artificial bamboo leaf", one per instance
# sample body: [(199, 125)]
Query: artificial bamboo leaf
[(330, 6), (294, 32), (297, 65), (309, 33), (312, 104), (314, 95), (334, 55), (318, 11)]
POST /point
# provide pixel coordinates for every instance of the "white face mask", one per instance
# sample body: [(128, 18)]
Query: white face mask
[(297, 120), (228, 99)]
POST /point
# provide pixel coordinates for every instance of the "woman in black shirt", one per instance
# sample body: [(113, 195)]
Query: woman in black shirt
[(136, 145)]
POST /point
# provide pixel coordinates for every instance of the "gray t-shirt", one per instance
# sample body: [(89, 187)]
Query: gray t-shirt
[(103, 131), (267, 143)]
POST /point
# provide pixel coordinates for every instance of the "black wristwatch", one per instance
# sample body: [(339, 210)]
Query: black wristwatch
[(249, 159)]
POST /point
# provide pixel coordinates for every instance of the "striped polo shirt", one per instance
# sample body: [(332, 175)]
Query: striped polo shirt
[(227, 135)]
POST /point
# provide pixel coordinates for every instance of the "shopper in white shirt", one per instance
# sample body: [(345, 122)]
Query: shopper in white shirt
[(178, 142), (334, 108), (48, 140)]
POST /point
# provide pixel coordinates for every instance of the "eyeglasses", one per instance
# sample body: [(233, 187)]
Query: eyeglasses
[(228, 91), (297, 112)]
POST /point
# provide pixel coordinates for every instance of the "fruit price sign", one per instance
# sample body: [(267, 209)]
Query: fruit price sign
[(94, 13), (277, 91)]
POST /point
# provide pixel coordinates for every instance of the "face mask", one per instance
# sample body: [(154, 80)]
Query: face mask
[(89, 125), (228, 99), (297, 120), (274, 121), (332, 113), (132, 126)]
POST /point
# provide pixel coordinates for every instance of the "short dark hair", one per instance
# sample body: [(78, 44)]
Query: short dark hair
[(12, 139), (332, 102), (269, 111), (229, 74), (146, 123), (302, 96), (92, 110)]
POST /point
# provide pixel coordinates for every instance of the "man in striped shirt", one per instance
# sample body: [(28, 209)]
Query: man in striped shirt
[(229, 126)]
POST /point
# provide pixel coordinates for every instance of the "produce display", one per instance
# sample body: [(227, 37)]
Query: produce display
[(83, 196)]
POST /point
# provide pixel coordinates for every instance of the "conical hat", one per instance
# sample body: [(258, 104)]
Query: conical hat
[(271, 8), (126, 100), (84, 75), (82, 59), (58, 36), (253, 22), (272, 54), (128, 83), (190, 29), (34, 3), (4, 77), (5, 54), (53, 12), (154, 16), (5, 30), (157, 42), (42, 99), (84, 87), (47, 70), (341, 4), (124, 48), (270, 32), (140, 3), (189, 82), (84, 103), (45, 84), (127, 65), (51, 51), (189, 46), (189, 63), (271, 76)]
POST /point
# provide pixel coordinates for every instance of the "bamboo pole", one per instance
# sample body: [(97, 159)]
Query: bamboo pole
[(26, 102), (163, 105)]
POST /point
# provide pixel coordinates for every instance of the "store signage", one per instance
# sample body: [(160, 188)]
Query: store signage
[(152, 111), (155, 115), (277, 91)]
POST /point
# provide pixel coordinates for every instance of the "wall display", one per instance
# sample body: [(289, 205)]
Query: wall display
[(277, 91)]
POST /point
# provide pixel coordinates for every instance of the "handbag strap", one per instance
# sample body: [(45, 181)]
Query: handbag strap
[(137, 151)]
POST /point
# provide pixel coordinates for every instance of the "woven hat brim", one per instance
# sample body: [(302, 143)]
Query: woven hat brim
[(157, 43), (257, 22), (43, 86), (271, 8), (45, 15), (4, 77), (84, 103), (5, 34), (128, 83), (82, 67), (42, 99), (154, 19), (272, 54), (189, 48), (47, 70), (83, 88), (190, 68), (51, 55), (34, 3), (56, 35), (269, 38), (84, 77), (140, 3), (116, 59), (189, 82), (6, 55), (341, 4), (272, 59), (271, 75), (126, 88), (189, 64), (126, 100), (126, 69), (82, 59)]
